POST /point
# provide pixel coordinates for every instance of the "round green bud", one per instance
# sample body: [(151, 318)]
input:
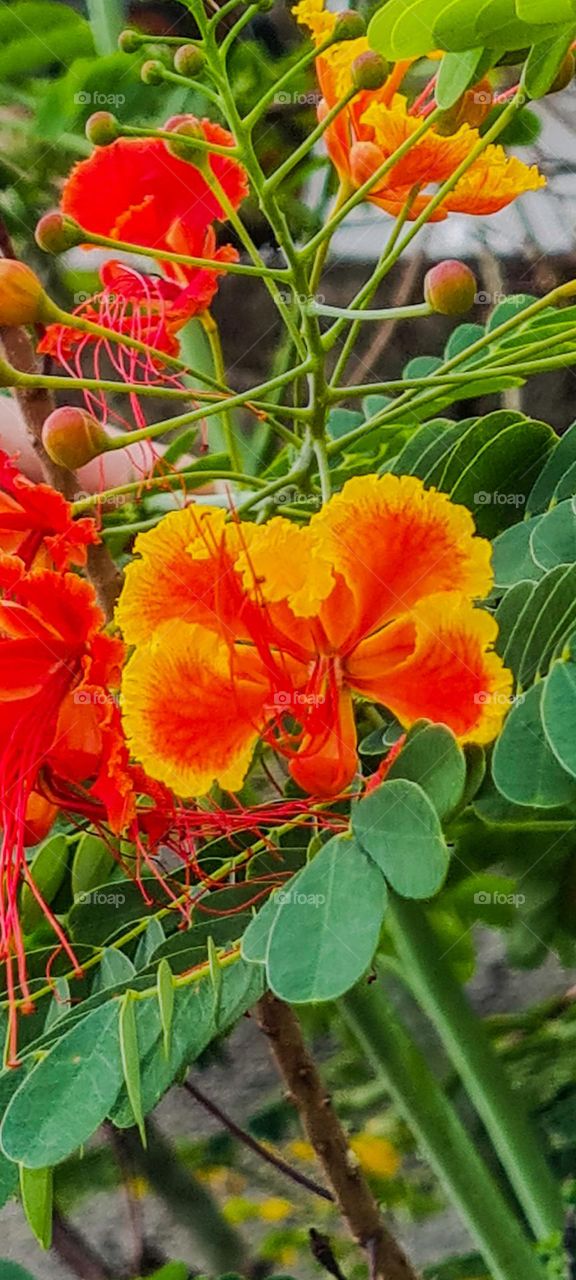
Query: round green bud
[(369, 70), (102, 128), (349, 26), (185, 150), (129, 41), (71, 437), (152, 72), (188, 60), (56, 233), (450, 288)]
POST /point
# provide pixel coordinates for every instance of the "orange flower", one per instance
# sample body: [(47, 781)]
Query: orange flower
[(136, 190), (36, 523), (246, 632), (372, 127)]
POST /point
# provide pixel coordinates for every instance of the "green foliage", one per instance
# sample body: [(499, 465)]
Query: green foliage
[(410, 28), (398, 826), (36, 1190)]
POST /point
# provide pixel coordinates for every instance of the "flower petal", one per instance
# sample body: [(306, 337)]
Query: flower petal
[(436, 664), (191, 716), (394, 542), (326, 765)]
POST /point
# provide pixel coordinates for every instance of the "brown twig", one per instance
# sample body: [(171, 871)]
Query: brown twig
[(36, 403), (321, 1250), (78, 1255), (258, 1148), (352, 1193)]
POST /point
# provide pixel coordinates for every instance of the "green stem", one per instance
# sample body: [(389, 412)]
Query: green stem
[(323, 468), (302, 151), (182, 140), (411, 312), (441, 1134), (106, 19), (213, 335), (159, 484), (258, 111), (432, 981), (184, 259)]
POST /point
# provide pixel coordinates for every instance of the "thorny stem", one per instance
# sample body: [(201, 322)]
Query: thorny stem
[(353, 1196)]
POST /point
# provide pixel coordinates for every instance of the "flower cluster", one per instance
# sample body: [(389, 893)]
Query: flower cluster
[(246, 632)]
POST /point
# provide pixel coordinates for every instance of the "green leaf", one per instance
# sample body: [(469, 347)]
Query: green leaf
[(60, 1004), (559, 713), (546, 621), (545, 59), (457, 72), (257, 936), (558, 463), (512, 559), (399, 828), (152, 938), (81, 1076), (553, 536), (539, 10), (433, 759), (185, 950), (130, 1055), (113, 969), (47, 870), (91, 865), (524, 768), (36, 1188), (327, 928), (12, 1271), (166, 1001)]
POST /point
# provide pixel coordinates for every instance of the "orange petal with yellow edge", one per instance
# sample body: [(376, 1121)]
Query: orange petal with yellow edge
[(395, 542), (437, 664), (175, 575), (192, 713)]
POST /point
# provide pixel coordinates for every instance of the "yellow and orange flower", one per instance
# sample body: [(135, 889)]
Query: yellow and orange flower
[(245, 633), (376, 122)]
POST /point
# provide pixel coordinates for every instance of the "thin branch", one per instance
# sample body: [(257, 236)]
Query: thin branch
[(352, 1193), (36, 403), (78, 1255), (258, 1148)]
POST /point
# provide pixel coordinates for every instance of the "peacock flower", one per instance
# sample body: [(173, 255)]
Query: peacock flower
[(247, 633), (135, 190), (148, 309), (37, 525), (59, 720), (368, 131)]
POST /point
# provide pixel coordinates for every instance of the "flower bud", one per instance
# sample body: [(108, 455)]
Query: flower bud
[(129, 41), (365, 159), (22, 298), (369, 70), (102, 128), (71, 437), (187, 127), (450, 288), (349, 26), (564, 74), (188, 60), (152, 72), (56, 233)]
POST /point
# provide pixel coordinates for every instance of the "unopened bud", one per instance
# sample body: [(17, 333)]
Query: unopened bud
[(190, 128), (102, 128), (22, 298), (71, 437), (129, 41), (349, 26), (188, 60), (152, 72), (450, 288), (564, 74), (365, 158), (369, 70), (56, 233)]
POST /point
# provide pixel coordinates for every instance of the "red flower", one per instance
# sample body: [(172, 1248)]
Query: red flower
[(136, 190), (36, 522)]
